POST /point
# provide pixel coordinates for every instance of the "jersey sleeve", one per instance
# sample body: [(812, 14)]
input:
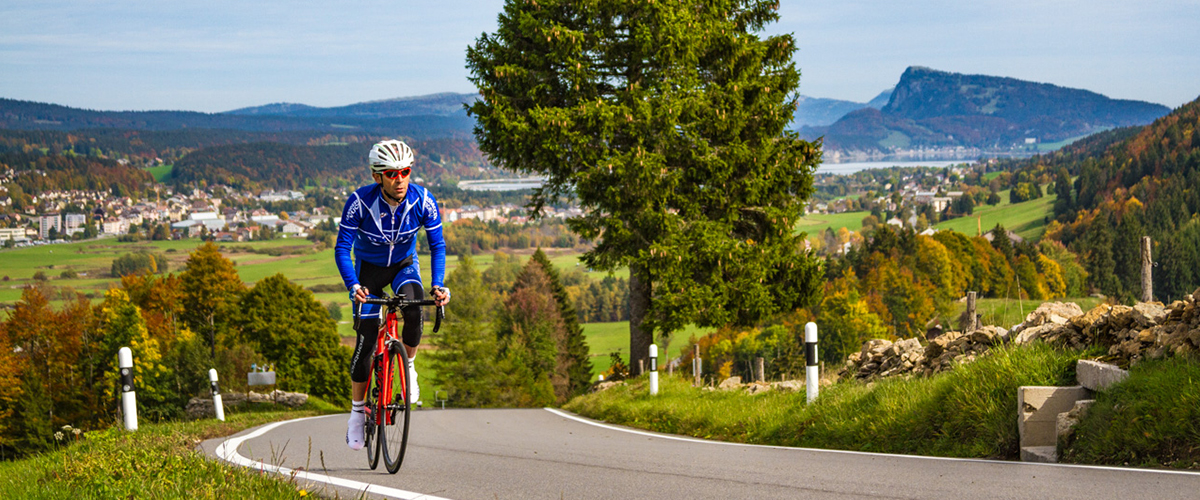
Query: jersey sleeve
[(352, 216), (431, 219)]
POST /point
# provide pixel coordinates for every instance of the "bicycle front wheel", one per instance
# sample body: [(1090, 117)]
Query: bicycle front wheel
[(394, 433), (371, 430)]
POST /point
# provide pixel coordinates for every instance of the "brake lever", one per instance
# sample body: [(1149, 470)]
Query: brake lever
[(437, 324)]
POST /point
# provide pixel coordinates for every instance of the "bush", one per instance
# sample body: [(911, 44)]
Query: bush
[(69, 274), (137, 263), (40, 276)]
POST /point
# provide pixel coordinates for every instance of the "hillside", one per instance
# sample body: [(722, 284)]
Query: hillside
[(26, 115), (1145, 184), (443, 104), (938, 109)]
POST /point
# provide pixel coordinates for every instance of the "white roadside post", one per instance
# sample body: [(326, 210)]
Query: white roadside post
[(216, 394), (128, 398), (810, 356), (653, 369)]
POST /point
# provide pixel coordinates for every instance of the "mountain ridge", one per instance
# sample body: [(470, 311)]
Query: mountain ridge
[(938, 109)]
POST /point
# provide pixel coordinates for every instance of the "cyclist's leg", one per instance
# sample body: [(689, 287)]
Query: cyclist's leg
[(374, 278)]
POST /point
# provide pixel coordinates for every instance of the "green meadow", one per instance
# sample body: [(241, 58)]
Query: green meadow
[(1027, 219)]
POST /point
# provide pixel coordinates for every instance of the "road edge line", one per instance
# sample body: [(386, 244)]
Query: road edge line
[(852, 452), (227, 451)]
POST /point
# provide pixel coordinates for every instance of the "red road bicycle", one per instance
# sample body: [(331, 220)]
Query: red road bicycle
[(387, 401)]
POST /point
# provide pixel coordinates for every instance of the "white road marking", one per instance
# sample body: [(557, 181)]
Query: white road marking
[(227, 451), (864, 453)]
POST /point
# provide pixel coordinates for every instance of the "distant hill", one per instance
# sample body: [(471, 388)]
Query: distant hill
[(26, 115), (820, 111), (931, 109), (443, 104)]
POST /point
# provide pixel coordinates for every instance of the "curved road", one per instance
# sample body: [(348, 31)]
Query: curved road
[(536, 453)]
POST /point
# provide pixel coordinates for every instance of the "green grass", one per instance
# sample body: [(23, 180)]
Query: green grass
[(968, 412), (156, 461), (605, 338), (161, 172), (1027, 219), (815, 224), (1151, 419), (1009, 312)]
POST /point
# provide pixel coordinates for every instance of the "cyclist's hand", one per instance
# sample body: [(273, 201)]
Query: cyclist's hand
[(359, 293), (441, 295)]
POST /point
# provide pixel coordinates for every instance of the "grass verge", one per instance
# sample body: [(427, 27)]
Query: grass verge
[(157, 461), (1151, 419), (968, 412)]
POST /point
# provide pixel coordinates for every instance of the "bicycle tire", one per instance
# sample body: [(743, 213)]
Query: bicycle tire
[(369, 428), (393, 434)]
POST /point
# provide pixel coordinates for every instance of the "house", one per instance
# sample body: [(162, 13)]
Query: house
[(895, 221)]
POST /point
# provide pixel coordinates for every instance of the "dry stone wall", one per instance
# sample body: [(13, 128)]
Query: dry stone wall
[(1146, 330)]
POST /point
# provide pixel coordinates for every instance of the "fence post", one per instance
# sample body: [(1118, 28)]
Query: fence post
[(759, 373), (696, 365), (811, 372), (1147, 264), (216, 395), (128, 397), (641, 367), (971, 324), (653, 370)]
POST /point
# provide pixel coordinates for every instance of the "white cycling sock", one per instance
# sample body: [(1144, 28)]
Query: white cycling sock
[(354, 426)]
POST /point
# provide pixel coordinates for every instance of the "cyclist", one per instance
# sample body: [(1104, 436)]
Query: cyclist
[(380, 223)]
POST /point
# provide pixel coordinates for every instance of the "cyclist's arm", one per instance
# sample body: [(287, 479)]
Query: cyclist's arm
[(432, 221), (351, 218)]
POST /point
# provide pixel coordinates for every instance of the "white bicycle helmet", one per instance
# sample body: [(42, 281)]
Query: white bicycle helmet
[(390, 155)]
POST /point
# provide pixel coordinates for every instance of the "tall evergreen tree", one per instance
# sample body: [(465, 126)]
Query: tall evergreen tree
[(579, 366), (666, 121), (1064, 206), (464, 362), (533, 340)]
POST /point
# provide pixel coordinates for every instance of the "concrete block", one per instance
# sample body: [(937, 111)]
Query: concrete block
[(1043, 454), (1098, 376), (1037, 412), (260, 378)]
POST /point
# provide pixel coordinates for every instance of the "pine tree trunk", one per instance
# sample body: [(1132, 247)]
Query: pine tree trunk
[(639, 302)]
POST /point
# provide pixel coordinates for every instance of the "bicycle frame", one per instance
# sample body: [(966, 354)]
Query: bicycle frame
[(387, 337)]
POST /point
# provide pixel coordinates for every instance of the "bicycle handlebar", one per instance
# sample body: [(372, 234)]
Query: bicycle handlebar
[(398, 301)]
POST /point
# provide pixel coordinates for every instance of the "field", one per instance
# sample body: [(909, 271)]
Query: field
[(814, 224), (1009, 312), (606, 338), (1027, 219)]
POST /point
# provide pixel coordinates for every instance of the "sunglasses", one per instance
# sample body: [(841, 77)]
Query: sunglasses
[(402, 173)]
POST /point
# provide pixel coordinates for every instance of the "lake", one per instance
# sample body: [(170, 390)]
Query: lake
[(825, 168), (855, 166)]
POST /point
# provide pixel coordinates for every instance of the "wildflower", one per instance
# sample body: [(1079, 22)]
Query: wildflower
[(77, 432), (303, 493), (58, 435), (66, 428)]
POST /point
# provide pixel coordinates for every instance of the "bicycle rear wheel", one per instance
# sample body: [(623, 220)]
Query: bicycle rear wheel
[(393, 435), (372, 408)]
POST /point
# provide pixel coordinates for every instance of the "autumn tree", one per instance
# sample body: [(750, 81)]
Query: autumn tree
[(577, 365), (210, 287), (533, 342), (666, 121)]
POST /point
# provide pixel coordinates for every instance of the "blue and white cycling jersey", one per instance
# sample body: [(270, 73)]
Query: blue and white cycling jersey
[(384, 236)]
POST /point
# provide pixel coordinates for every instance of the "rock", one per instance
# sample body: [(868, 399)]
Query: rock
[(1066, 421), (730, 383), (1053, 312), (1091, 317), (757, 388), (608, 384), (1149, 314), (789, 385), (1031, 334), (201, 407)]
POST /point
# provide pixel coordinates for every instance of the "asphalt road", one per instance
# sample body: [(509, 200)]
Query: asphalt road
[(536, 453)]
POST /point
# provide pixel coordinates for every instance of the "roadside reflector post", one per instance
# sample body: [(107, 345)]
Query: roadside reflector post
[(128, 398), (216, 394), (811, 372), (653, 369), (696, 365)]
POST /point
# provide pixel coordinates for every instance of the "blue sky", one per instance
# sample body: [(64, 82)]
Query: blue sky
[(218, 55)]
